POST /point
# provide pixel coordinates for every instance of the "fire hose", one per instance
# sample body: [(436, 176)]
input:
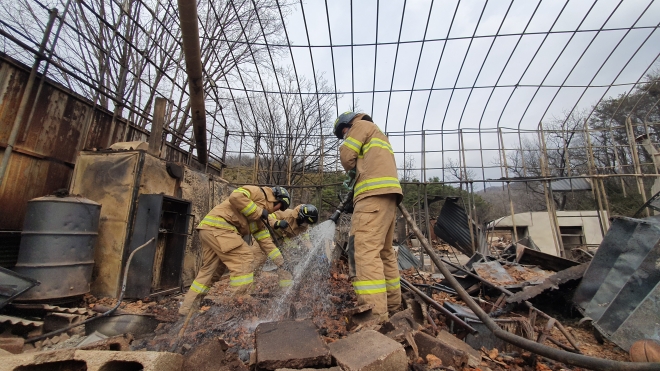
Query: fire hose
[(105, 314)]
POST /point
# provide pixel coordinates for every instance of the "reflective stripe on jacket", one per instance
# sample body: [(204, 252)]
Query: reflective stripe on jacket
[(241, 212), (368, 150)]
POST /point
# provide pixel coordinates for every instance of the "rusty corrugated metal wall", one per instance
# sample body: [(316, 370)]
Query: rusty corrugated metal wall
[(43, 162), (46, 150)]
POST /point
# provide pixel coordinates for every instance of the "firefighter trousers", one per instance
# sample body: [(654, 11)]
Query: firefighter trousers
[(377, 279), (259, 258), (261, 254), (221, 249)]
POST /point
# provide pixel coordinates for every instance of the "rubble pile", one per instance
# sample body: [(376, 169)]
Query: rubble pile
[(318, 325)]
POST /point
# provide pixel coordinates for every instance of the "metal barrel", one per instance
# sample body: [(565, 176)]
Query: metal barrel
[(57, 247)]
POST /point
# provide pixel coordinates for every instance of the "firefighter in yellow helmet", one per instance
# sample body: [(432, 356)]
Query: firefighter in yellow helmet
[(221, 232), (376, 194), (288, 224)]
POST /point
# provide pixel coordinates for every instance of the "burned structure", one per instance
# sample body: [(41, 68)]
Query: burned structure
[(526, 138)]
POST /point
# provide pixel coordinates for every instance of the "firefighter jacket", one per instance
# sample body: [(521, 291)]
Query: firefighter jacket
[(367, 150), (291, 216), (241, 213)]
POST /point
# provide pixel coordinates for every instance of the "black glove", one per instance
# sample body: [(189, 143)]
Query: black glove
[(281, 224), (264, 214)]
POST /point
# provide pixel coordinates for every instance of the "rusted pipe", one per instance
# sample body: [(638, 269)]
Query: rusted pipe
[(439, 307), (22, 107), (545, 351), (193, 56), (105, 314)]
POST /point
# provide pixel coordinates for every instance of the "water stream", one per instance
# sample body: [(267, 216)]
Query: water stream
[(310, 268)]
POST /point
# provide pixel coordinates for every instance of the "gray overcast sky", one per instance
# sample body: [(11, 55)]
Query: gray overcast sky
[(493, 65)]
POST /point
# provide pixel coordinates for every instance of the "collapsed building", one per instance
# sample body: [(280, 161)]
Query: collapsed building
[(99, 208)]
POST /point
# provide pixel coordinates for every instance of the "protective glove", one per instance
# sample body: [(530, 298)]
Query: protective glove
[(281, 224), (264, 214), (348, 183)]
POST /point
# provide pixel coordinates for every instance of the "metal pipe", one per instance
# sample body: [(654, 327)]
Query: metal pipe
[(18, 119), (545, 351), (109, 312), (440, 308), (193, 56)]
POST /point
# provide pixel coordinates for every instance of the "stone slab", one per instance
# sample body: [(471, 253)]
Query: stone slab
[(97, 360), (399, 325), (450, 356), (369, 350), (210, 356), (292, 344)]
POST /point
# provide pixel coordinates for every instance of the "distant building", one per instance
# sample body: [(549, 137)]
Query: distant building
[(578, 229)]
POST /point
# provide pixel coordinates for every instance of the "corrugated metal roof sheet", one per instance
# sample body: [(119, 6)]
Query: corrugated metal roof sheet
[(452, 227), (20, 321)]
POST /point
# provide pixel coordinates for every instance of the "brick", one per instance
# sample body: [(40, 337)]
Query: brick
[(13, 345), (96, 360), (369, 350), (290, 344), (474, 356), (450, 356)]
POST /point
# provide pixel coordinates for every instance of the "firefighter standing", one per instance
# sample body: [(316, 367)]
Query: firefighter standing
[(221, 232), (376, 194), (288, 224)]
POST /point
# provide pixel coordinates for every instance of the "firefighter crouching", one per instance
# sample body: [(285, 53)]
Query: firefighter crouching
[(289, 224), (221, 232), (376, 194)]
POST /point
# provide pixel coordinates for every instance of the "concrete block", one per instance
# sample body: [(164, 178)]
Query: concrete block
[(474, 356), (292, 344), (13, 345), (369, 350), (95, 360), (116, 343), (450, 356)]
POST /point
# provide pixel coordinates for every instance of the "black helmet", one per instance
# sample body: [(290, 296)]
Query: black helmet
[(308, 213), (343, 121), (282, 196)]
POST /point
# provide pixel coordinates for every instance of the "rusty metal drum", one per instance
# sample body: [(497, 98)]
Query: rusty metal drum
[(57, 247)]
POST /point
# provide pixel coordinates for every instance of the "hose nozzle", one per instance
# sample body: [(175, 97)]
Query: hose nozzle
[(335, 216)]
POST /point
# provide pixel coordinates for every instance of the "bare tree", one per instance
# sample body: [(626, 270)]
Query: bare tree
[(288, 131)]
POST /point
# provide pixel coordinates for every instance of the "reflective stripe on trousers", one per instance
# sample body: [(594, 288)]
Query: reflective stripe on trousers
[(286, 283), (241, 280), (199, 288), (369, 287), (393, 284)]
